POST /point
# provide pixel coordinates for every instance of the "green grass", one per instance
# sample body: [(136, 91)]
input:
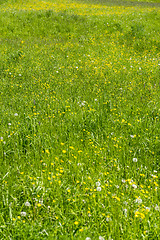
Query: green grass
[(140, 3), (79, 121)]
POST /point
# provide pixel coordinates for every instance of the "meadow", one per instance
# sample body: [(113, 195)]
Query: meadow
[(80, 106)]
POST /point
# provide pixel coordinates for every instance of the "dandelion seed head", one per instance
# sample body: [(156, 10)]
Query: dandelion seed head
[(79, 164), (98, 184), (138, 200), (99, 189), (23, 214), (27, 204), (108, 219), (135, 160), (134, 186), (101, 238)]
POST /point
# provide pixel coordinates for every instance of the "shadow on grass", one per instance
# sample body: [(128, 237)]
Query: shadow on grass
[(121, 3)]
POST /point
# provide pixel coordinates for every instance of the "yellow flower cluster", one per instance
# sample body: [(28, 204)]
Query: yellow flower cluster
[(71, 6)]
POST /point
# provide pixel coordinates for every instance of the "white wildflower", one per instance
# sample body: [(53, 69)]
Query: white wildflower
[(16, 114), (83, 103), (41, 201), (135, 160), (101, 238), (132, 136), (110, 238), (98, 184), (108, 219), (79, 164), (99, 189), (23, 214), (154, 176), (157, 207), (138, 200), (27, 204), (134, 186)]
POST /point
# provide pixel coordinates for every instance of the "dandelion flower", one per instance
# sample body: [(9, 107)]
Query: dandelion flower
[(76, 222)]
